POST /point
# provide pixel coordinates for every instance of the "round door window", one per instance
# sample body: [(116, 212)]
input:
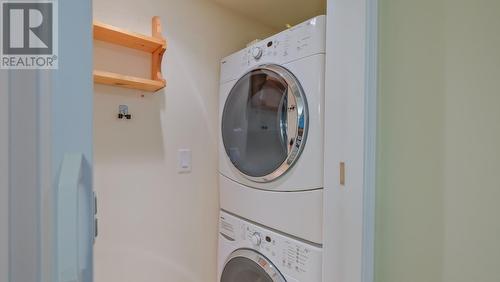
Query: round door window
[(264, 123), (249, 266)]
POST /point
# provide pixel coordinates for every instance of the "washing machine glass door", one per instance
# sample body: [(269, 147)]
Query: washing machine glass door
[(249, 266), (264, 123)]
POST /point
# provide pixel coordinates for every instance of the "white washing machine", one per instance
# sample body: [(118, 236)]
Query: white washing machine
[(250, 253), (271, 124)]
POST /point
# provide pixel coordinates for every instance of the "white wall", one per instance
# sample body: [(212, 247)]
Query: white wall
[(156, 224)]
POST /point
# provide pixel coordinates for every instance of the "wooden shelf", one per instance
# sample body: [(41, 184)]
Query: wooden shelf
[(132, 82), (155, 44), (118, 36)]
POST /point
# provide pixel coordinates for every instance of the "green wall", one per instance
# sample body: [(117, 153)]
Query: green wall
[(438, 186), (472, 141), (409, 219)]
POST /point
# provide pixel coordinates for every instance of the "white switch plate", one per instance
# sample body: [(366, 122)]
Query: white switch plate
[(184, 160)]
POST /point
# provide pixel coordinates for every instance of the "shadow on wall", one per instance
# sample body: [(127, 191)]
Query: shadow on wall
[(151, 264), (140, 137)]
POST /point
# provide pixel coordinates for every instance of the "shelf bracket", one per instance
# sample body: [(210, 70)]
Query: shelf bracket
[(157, 57)]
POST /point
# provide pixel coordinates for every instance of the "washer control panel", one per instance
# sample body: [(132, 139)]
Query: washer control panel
[(294, 258), (303, 40)]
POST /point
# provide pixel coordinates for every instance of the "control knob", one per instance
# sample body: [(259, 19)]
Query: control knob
[(257, 52), (256, 239)]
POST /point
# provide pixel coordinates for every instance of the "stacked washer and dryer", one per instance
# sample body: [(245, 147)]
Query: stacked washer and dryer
[(271, 158)]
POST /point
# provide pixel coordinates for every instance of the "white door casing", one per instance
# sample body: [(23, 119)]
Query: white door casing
[(350, 127)]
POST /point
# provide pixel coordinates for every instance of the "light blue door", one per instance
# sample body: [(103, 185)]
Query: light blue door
[(46, 195), (72, 144)]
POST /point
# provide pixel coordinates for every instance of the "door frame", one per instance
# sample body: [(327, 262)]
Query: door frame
[(4, 176), (350, 140)]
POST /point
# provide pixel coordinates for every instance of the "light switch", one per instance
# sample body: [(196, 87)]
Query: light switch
[(184, 161)]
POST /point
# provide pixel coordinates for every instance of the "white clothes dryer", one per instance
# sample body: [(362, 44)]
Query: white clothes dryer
[(271, 125)]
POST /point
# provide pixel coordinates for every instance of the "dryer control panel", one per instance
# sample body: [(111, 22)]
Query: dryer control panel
[(294, 258), (303, 40)]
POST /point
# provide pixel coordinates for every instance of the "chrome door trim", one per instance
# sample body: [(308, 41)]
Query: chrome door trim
[(297, 122), (260, 260)]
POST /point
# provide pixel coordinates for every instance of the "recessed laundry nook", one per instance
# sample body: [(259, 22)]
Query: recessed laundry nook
[(227, 155), (138, 175)]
